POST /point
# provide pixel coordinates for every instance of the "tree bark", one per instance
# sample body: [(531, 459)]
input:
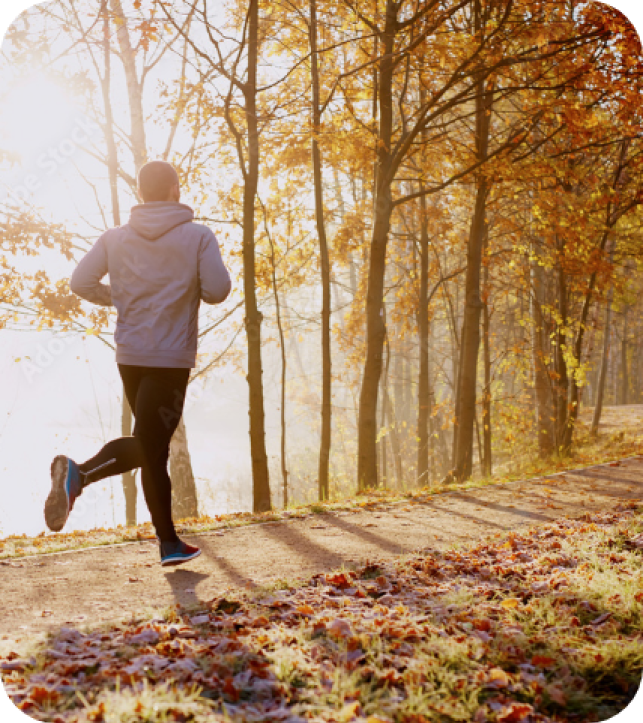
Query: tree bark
[(326, 409), (486, 459), (424, 390), (465, 408), (470, 344), (602, 376), (284, 369), (128, 479), (260, 474), (184, 497), (382, 436), (542, 381), (611, 219), (383, 208), (561, 387), (134, 88), (625, 381)]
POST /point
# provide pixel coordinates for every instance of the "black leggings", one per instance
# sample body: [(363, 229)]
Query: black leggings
[(156, 396)]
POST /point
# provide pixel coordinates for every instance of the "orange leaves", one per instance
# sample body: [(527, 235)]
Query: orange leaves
[(542, 661), (484, 625), (340, 580), (510, 603), (514, 713), (44, 695), (498, 678), (305, 610)]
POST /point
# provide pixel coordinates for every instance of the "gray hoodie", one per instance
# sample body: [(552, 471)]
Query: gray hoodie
[(161, 265)]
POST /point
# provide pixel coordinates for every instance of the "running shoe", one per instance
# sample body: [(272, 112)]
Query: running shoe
[(176, 553), (66, 487)]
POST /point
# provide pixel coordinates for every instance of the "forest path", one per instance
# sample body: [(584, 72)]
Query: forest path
[(98, 585)]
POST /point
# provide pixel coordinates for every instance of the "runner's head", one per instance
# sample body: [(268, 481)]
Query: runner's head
[(158, 181)]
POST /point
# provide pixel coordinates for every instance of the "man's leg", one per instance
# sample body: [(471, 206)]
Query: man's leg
[(159, 406), (116, 457), (69, 479), (123, 454)]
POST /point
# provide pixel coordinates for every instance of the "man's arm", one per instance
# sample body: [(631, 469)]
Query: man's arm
[(213, 276), (85, 281)]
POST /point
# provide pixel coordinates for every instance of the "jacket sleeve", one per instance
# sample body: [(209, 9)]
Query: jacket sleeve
[(214, 278), (85, 281)]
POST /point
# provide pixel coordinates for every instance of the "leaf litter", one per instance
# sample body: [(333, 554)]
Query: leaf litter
[(541, 625)]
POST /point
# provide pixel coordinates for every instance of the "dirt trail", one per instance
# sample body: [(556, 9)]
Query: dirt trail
[(97, 585)]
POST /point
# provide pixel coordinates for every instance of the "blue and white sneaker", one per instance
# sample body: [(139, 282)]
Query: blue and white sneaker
[(66, 487), (176, 553)]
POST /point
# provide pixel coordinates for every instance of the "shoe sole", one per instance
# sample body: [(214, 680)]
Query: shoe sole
[(179, 560), (57, 504)]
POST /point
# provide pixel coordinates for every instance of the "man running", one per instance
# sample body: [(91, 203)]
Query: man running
[(161, 265)]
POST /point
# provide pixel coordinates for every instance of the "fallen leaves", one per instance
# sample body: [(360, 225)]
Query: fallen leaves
[(514, 713), (490, 630), (542, 661), (510, 603)]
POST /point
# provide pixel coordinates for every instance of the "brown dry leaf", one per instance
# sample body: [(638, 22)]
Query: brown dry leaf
[(305, 609)]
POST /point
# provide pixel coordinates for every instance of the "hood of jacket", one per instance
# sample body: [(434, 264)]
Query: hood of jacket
[(153, 220)]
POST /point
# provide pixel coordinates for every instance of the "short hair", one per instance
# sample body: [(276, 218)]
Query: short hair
[(156, 179)]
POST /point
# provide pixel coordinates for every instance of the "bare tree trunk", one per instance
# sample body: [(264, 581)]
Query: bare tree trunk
[(470, 345), (284, 369), (574, 392), (396, 445), (260, 474), (561, 388), (383, 208), (128, 479), (134, 88), (184, 497), (486, 460), (625, 381), (382, 436), (326, 410), (635, 371), (424, 391), (602, 376), (542, 382)]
